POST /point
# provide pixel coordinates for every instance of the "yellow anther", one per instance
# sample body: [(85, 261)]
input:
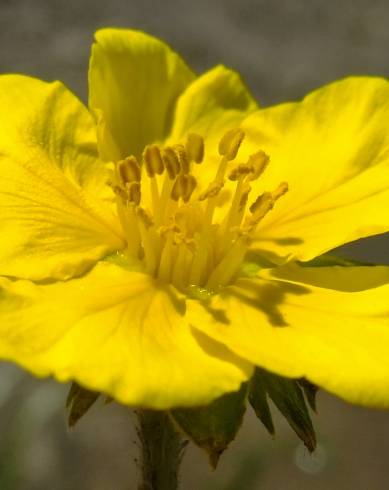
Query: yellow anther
[(244, 196), (258, 162), (119, 191), (195, 147), (182, 158), (190, 186), (171, 162), (176, 191), (153, 160), (240, 170), (133, 192), (280, 191), (129, 170), (183, 187), (213, 190), (145, 217), (230, 143), (165, 230), (261, 201), (263, 205)]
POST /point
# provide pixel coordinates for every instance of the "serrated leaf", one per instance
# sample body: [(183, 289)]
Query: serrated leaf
[(213, 427), (78, 402), (289, 399)]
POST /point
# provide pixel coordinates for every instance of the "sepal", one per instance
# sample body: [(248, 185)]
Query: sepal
[(78, 402), (288, 397), (213, 427)]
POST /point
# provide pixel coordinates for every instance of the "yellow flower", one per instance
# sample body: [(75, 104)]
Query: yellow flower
[(152, 248)]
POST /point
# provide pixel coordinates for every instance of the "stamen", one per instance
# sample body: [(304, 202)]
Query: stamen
[(244, 197), (240, 171), (129, 170), (213, 190), (259, 201), (182, 240), (280, 191), (195, 147), (181, 265), (145, 227), (171, 162), (258, 162), (229, 265), (259, 209), (129, 223), (153, 160), (230, 143), (183, 187), (133, 192), (165, 264), (182, 158), (145, 217)]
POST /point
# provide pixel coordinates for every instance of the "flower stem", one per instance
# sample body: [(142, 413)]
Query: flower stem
[(162, 449)]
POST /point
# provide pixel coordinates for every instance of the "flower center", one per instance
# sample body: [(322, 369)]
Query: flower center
[(186, 235)]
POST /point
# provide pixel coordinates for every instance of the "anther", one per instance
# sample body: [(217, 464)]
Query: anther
[(153, 160), (263, 205), (213, 190), (133, 192), (129, 170), (230, 143), (239, 171), (190, 186), (171, 162), (258, 162), (145, 217), (195, 147), (182, 158), (183, 187), (165, 230), (244, 197), (259, 202), (280, 191)]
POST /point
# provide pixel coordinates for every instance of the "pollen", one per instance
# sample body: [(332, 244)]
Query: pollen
[(184, 233)]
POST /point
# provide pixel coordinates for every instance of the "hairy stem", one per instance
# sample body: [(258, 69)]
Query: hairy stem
[(162, 448)]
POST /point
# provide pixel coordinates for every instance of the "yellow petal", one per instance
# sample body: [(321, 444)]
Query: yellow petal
[(215, 102), (330, 325), (134, 80), (118, 332), (333, 150), (53, 222)]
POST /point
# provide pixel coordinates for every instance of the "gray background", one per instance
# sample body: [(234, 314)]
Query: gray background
[(282, 49)]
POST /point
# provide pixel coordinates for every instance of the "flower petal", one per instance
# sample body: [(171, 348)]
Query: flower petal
[(333, 150), (216, 101), (118, 332), (134, 80), (50, 225), (329, 325)]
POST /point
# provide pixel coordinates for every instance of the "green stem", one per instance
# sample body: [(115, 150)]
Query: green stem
[(162, 449)]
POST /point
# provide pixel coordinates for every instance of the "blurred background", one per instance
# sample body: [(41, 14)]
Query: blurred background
[(283, 49)]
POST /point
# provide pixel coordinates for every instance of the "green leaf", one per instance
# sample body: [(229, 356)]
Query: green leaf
[(288, 398), (213, 427), (78, 402)]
